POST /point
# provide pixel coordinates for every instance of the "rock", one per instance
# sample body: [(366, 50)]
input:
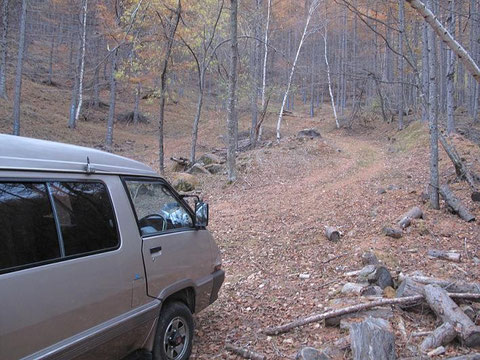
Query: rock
[(381, 277), (214, 168), (372, 339), (369, 258), (184, 182), (309, 133), (476, 260), (309, 353), (353, 288), (372, 291), (392, 232), (177, 167), (381, 191), (304, 276), (366, 272), (207, 159), (198, 169)]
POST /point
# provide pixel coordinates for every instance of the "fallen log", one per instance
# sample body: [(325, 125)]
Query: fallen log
[(452, 286), (465, 357), (372, 339), (245, 353), (276, 330), (406, 219), (442, 335), (444, 255), (455, 205), (332, 234), (446, 309), (460, 168)]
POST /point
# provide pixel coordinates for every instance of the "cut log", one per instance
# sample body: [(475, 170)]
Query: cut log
[(446, 309), (245, 353), (465, 357), (444, 255), (409, 287), (442, 335), (276, 330), (372, 339), (392, 232), (452, 286), (413, 213), (455, 205), (332, 234)]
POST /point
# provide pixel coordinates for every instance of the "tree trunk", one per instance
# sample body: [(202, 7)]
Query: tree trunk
[(442, 335), (312, 9), (137, 103), (232, 96), (264, 73), (332, 99), (111, 109), (96, 87), (163, 85), (425, 72), (446, 309), (4, 50), (73, 103), (432, 118), (82, 62), (196, 121), (254, 70), (451, 74), (18, 76), (443, 33), (401, 91), (312, 82)]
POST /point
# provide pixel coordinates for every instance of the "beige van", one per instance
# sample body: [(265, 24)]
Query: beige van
[(99, 257)]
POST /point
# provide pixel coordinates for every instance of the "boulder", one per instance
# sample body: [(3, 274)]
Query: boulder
[(372, 339), (353, 288), (372, 291), (309, 353), (198, 169), (381, 277), (207, 159), (309, 133), (369, 258), (366, 273), (184, 182), (214, 168)]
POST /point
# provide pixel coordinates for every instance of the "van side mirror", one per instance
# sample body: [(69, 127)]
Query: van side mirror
[(201, 214)]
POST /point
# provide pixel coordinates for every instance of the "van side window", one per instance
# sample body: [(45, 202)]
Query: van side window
[(156, 208), (27, 226), (85, 216)]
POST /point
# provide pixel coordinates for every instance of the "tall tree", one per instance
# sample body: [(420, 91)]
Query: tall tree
[(401, 91), (3, 50), (18, 76), (232, 94), (113, 96), (169, 31), (311, 10), (82, 62), (451, 73)]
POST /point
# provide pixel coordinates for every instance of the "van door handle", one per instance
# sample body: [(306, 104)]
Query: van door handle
[(156, 250)]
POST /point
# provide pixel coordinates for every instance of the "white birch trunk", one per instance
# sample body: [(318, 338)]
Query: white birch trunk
[(82, 63), (312, 9), (445, 35), (337, 124)]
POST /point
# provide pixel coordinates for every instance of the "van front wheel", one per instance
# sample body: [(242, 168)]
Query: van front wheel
[(173, 340)]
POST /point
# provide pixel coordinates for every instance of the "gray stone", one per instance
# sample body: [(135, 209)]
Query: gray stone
[(372, 339), (309, 353), (381, 277), (369, 258), (207, 159), (366, 273), (184, 182), (214, 168), (309, 133), (381, 191), (373, 290), (198, 169), (353, 288)]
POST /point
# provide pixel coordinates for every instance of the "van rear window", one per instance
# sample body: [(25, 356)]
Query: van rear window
[(45, 222), (27, 225)]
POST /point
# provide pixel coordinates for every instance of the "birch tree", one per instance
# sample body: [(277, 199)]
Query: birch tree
[(332, 99), (232, 95), (82, 62), (18, 76), (3, 50), (311, 10)]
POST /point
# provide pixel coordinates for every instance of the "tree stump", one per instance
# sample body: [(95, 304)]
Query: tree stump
[(446, 309), (372, 339), (332, 234)]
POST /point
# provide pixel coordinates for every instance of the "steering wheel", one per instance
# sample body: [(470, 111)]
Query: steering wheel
[(152, 223)]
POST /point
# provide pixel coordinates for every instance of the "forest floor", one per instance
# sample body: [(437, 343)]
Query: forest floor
[(270, 223)]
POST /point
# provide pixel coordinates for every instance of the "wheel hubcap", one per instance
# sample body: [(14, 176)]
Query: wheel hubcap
[(176, 338)]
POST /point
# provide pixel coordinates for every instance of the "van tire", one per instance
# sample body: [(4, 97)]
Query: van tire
[(175, 326)]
